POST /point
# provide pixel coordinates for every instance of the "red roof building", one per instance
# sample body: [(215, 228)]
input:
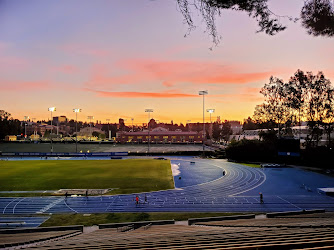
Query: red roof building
[(159, 135)]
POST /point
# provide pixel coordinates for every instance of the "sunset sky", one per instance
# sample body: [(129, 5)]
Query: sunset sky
[(116, 58)]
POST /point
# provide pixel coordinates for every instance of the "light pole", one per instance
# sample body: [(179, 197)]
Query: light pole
[(52, 109), (25, 126), (35, 132), (132, 123), (76, 128), (203, 93), (210, 111), (108, 120), (148, 126), (90, 117)]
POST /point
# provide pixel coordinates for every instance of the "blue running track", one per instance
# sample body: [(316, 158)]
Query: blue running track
[(202, 187)]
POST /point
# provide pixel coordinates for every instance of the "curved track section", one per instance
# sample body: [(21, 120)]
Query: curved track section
[(225, 193)]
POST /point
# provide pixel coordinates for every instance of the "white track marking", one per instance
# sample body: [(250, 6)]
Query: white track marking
[(46, 208), (17, 204), (288, 202), (8, 205)]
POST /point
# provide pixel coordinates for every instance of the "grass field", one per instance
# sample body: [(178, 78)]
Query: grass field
[(95, 219), (127, 176), (251, 165)]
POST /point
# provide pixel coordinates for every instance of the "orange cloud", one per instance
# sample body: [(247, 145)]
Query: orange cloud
[(170, 73), (133, 94), (194, 72)]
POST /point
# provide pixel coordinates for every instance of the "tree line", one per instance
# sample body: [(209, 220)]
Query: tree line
[(305, 97), (8, 125)]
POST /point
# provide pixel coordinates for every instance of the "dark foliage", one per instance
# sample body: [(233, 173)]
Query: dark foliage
[(251, 150), (8, 125), (317, 15), (320, 157)]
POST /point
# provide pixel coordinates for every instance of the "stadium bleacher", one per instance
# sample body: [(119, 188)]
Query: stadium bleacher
[(303, 231)]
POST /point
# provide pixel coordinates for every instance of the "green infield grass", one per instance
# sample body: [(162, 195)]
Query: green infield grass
[(250, 165), (125, 176)]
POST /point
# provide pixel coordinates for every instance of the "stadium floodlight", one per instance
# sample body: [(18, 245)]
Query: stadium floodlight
[(76, 128), (203, 93), (25, 126), (52, 109), (90, 117), (35, 127), (210, 111), (148, 126)]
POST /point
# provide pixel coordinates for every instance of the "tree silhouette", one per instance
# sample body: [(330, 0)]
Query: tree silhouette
[(317, 15), (8, 125), (309, 96)]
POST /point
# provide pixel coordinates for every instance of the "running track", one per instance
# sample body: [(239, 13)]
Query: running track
[(201, 188)]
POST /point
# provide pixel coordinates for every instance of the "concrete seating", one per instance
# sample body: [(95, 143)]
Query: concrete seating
[(306, 231), (28, 238)]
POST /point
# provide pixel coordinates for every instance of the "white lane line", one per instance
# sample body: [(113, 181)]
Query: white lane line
[(69, 206), (289, 202), (111, 203), (8, 205), (17, 204), (204, 183), (264, 179), (43, 210)]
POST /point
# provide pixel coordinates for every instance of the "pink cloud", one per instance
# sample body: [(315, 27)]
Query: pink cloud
[(134, 94), (3, 47), (101, 78), (170, 73), (11, 62), (24, 85), (194, 72), (68, 69), (168, 84), (84, 49), (242, 95)]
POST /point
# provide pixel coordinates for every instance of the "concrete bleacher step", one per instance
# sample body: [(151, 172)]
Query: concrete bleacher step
[(315, 248), (253, 245), (198, 240), (182, 243), (34, 243), (146, 236)]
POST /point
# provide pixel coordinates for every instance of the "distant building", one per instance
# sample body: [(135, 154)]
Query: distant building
[(86, 133), (236, 127), (10, 138), (34, 137), (159, 135), (298, 132), (59, 119)]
